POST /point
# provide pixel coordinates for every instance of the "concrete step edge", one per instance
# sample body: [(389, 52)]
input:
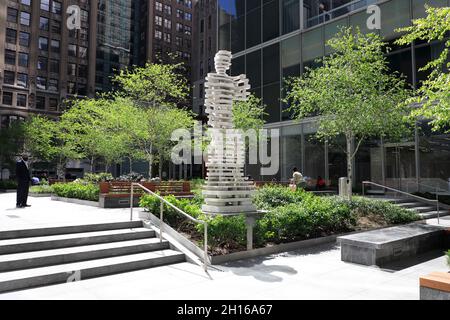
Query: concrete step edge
[(86, 270)]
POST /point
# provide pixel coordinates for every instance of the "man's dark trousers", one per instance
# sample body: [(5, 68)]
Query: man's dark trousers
[(23, 183)]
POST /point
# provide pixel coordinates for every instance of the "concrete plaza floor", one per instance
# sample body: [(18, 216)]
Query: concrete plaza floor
[(313, 273)]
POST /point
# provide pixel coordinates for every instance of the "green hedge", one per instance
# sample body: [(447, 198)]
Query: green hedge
[(8, 184), (41, 189), (77, 190), (273, 196)]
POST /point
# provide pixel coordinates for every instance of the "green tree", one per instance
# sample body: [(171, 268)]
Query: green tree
[(153, 85), (248, 114), (434, 93), (353, 92)]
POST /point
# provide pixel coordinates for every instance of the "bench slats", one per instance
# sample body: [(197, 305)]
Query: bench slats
[(437, 281)]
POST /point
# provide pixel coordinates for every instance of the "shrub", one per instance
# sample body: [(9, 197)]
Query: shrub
[(75, 190), (272, 196), (391, 213), (8, 184), (98, 177), (45, 188), (312, 217), (224, 231), (197, 184), (131, 177)]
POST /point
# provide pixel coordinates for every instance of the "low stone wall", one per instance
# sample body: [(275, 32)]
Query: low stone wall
[(39, 195), (76, 201)]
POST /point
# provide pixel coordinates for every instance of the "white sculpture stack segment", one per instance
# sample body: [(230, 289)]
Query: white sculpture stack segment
[(226, 190)]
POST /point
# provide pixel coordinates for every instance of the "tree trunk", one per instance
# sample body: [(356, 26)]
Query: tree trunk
[(92, 164), (160, 169), (131, 164), (349, 166)]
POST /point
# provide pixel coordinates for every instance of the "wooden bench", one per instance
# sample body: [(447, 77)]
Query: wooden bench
[(116, 194), (435, 286)]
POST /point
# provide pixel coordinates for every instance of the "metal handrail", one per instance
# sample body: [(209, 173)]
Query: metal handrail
[(425, 185), (161, 216), (404, 193)]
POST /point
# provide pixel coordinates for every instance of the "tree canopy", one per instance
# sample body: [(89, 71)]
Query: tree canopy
[(434, 93)]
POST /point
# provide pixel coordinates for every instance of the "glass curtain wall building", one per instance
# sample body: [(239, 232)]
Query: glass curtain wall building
[(272, 40)]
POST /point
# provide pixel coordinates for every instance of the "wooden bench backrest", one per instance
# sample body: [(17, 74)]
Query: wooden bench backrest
[(163, 187), (437, 281)]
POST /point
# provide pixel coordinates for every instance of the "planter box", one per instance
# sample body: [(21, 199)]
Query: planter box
[(76, 201), (215, 260)]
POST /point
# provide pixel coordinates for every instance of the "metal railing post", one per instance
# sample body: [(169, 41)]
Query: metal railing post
[(161, 216), (131, 201)]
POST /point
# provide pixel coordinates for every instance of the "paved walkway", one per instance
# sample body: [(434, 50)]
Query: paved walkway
[(314, 273)]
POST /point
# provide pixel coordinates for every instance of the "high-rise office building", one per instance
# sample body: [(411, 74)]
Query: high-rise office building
[(274, 39), (42, 62), (205, 47)]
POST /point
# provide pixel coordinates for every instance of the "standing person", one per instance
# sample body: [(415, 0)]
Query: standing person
[(320, 185), (297, 178), (23, 182)]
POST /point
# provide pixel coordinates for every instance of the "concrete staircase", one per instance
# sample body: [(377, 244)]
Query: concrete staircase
[(39, 257), (424, 210)]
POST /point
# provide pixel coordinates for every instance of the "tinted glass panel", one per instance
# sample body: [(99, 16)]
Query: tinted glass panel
[(271, 64), (238, 34), (238, 66), (291, 15), (272, 101), (271, 26), (254, 68), (254, 28)]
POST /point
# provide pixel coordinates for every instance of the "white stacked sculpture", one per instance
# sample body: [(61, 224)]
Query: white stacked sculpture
[(226, 190)]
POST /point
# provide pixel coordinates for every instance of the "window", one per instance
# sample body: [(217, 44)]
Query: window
[(7, 98), (179, 27), (54, 45), (53, 85), (187, 30), (43, 23), (84, 16), (11, 36), (202, 25), (158, 6), (12, 15), (23, 59), (84, 34), (25, 18), (158, 34), (45, 5), (179, 41), (25, 2), (40, 102), (71, 89), (72, 69), (201, 69), (186, 55), (22, 80), (24, 39), (180, 14), (167, 24), (158, 21), (43, 43), (188, 16), (188, 3), (209, 22), (53, 104), (41, 83), (21, 100), (167, 37), (10, 77), (167, 9), (201, 46), (72, 49), (82, 71), (42, 63), (54, 66), (82, 52), (56, 7), (10, 57), (56, 26)]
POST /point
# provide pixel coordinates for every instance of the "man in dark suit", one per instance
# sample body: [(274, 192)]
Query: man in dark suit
[(23, 182)]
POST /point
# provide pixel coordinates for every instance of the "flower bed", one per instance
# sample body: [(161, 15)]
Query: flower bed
[(292, 216)]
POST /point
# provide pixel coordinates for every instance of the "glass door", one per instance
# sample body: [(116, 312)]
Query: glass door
[(400, 165)]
